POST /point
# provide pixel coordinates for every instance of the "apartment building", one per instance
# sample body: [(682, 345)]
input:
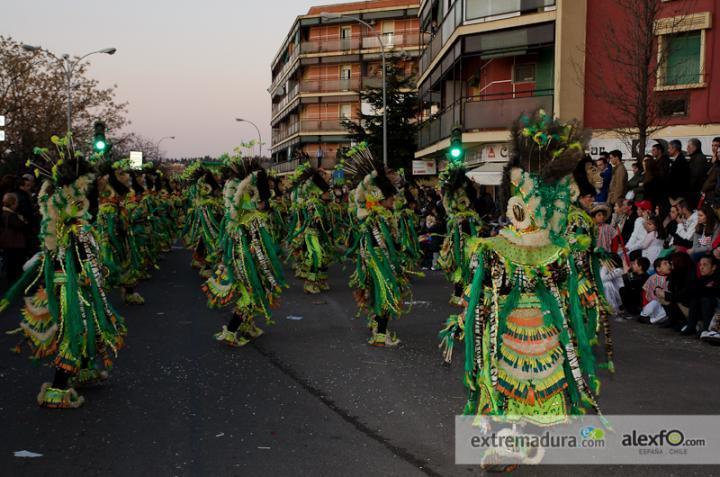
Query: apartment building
[(323, 65), (490, 60)]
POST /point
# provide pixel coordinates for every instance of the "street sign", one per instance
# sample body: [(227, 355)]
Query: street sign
[(2, 120), (136, 160), (2, 135)]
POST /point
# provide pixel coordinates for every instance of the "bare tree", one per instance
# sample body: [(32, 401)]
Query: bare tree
[(629, 42)]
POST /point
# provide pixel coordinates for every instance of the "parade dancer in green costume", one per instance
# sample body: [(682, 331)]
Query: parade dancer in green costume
[(250, 275), (463, 222), (588, 257), (113, 226), (202, 225), (380, 279), (310, 231), (528, 356), (68, 317)]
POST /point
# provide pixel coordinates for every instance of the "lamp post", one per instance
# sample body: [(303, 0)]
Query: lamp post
[(328, 15), (69, 66), (240, 120), (157, 146)]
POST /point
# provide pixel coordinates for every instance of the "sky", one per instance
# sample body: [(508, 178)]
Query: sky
[(187, 68)]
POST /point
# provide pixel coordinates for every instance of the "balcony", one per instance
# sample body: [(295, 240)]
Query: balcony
[(280, 134), (278, 78), (323, 125), (474, 11), (376, 82), (292, 94), (330, 86), (488, 112), (329, 46)]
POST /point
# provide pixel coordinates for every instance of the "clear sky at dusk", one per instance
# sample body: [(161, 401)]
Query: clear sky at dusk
[(188, 68)]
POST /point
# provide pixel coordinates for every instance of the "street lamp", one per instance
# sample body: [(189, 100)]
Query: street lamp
[(157, 146), (69, 66), (257, 129), (330, 15)]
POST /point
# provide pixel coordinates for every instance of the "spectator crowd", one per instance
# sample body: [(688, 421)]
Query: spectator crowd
[(659, 233)]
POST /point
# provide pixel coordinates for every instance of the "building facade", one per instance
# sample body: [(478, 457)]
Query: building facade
[(488, 61), (323, 65), (685, 87)]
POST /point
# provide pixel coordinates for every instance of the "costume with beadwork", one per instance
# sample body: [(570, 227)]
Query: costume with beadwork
[(114, 228), (310, 236), (380, 278), (463, 222), (250, 276), (528, 355), (202, 225), (67, 315)]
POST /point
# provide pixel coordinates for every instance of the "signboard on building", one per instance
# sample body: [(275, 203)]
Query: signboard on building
[(136, 160), (495, 152), (424, 168)]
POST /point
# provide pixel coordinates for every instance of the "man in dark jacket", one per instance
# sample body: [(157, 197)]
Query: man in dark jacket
[(711, 186), (678, 186), (703, 294), (631, 292), (699, 166)]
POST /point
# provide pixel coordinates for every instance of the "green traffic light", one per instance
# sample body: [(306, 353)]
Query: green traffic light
[(100, 145), (456, 152)]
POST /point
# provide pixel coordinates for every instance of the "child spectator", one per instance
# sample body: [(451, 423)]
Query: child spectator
[(639, 232), (654, 291), (676, 299), (612, 279), (606, 232), (634, 279), (653, 242)]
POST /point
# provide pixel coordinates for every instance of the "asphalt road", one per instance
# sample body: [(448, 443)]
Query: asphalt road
[(308, 398)]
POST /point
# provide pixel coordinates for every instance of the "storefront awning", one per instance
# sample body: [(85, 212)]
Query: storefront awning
[(489, 174)]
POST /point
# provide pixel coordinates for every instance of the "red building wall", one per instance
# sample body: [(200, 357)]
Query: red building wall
[(703, 104)]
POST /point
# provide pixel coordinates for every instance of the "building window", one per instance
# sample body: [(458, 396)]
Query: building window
[(673, 107), (345, 32), (681, 51), (682, 61), (524, 73), (345, 111)]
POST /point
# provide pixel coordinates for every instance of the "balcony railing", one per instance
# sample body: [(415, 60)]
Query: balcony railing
[(286, 67), (464, 11), (453, 19), (283, 133), (292, 94), (406, 39), (322, 125), (330, 86), (496, 111), (376, 82), (327, 46)]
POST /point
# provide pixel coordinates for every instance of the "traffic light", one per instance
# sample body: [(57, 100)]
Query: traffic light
[(456, 151), (100, 142)]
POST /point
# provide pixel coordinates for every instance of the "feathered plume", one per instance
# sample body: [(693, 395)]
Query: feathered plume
[(60, 165)]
